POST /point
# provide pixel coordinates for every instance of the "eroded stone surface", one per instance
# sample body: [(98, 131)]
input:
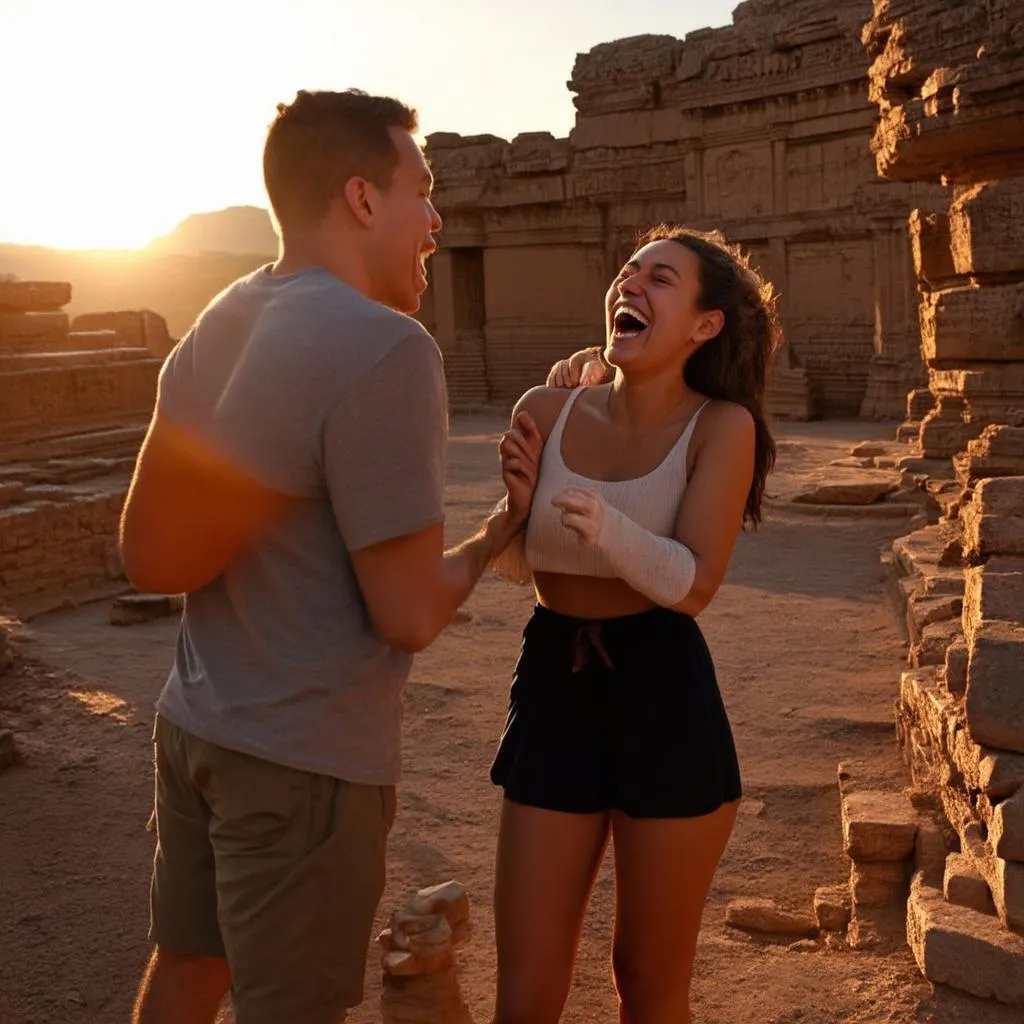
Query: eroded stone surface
[(964, 886), (878, 826), (857, 488), (957, 946), (995, 686), (878, 883), (764, 916), (1006, 832), (832, 907)]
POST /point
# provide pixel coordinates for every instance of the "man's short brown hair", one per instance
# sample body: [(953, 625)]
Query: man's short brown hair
[(321, 140)]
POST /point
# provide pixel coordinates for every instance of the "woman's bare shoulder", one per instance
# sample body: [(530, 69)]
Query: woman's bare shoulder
[(723, 426), (544, 404), (728, 415)]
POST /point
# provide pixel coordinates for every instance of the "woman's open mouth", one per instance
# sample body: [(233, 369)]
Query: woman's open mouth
[(628, 323)]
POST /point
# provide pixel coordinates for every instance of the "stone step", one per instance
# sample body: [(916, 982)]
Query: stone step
[(962, 885), (66, 472), (931, 469), (32, 332), (115, 441), (50, 551), (59, 339), (55, 402), (70, 358), (878, 825), (997, 452), (963, 948), (909, 432), (923, 553), (1004, 878)]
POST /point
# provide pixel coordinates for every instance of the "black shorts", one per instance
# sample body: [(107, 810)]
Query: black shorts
[(620, 713)]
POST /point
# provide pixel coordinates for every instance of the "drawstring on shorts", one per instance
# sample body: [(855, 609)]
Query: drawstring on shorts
[(588, 640)]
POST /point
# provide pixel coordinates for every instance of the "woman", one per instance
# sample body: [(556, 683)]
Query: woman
[(616, 729)]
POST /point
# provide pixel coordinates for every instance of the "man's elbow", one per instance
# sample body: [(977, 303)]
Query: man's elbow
[(411, 627), (151, 568), (410, 635), (149, 577)]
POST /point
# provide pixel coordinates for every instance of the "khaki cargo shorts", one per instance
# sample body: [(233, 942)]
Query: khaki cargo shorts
[(278, 870)]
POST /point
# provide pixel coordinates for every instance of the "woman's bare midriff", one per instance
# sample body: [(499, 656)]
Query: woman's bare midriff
[(588, 597)]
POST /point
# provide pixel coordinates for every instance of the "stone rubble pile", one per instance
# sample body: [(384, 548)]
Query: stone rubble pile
[(418, 958)]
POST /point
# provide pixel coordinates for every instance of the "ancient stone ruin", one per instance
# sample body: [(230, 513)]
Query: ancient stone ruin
[(903, 298), (761, 129), (76, 401), (948, 78)]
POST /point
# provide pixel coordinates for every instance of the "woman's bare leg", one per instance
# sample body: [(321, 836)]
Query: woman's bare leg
[(663, 871), (547, 862)]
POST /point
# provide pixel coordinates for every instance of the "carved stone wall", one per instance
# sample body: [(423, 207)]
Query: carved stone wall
[(761, 129), (948, 78)]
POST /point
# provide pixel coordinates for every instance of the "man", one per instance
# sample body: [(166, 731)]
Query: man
[(291, 485)]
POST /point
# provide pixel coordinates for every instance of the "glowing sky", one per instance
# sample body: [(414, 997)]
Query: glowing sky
[(123, 116)]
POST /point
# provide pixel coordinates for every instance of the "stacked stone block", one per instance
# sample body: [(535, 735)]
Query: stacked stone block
[(418, 958), (76, 399), (879, 836), (948, 78)]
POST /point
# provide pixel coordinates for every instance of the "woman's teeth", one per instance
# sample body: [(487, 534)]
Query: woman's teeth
[(629, 323)]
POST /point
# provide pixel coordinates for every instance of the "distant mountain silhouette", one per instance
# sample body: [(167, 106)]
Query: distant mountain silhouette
[(175, 286), (236, 229)]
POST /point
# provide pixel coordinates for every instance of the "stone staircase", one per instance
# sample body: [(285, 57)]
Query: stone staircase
[(74, 405)]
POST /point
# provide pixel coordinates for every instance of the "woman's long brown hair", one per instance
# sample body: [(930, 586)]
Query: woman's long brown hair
[(733, 365)]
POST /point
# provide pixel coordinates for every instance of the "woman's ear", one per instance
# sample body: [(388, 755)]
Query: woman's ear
[(709, 326)]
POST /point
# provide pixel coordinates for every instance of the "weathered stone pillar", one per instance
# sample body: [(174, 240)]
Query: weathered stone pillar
[(897, 367), (780, 173), (693, 164), (959, 116), (442, 285)]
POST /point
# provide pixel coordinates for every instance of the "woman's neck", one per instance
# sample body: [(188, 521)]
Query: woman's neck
[(635, 406)]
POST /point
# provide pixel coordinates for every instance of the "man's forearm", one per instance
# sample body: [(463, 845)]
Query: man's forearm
[(466, 563)]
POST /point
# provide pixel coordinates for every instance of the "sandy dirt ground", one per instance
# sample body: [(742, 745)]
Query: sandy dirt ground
[(808, 656)]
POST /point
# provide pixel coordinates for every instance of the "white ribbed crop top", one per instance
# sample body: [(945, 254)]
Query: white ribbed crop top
[(652, 501)]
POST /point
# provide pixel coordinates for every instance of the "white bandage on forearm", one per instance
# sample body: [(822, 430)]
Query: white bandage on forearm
[(657, 567)]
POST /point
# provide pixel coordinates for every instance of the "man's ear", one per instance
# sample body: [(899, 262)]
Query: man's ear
[(359, 195), (709, 326)]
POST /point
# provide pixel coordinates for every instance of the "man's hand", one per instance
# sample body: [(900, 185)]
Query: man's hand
[(584, 367), (520, 449)]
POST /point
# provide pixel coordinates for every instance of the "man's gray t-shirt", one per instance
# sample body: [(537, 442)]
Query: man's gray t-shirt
[(319, 393)]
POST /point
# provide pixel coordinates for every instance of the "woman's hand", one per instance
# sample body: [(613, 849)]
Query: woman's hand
[(582, 512), (581, 368), (520, 449)]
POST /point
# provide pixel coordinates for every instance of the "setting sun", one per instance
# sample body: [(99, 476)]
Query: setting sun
[(127, 117)]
